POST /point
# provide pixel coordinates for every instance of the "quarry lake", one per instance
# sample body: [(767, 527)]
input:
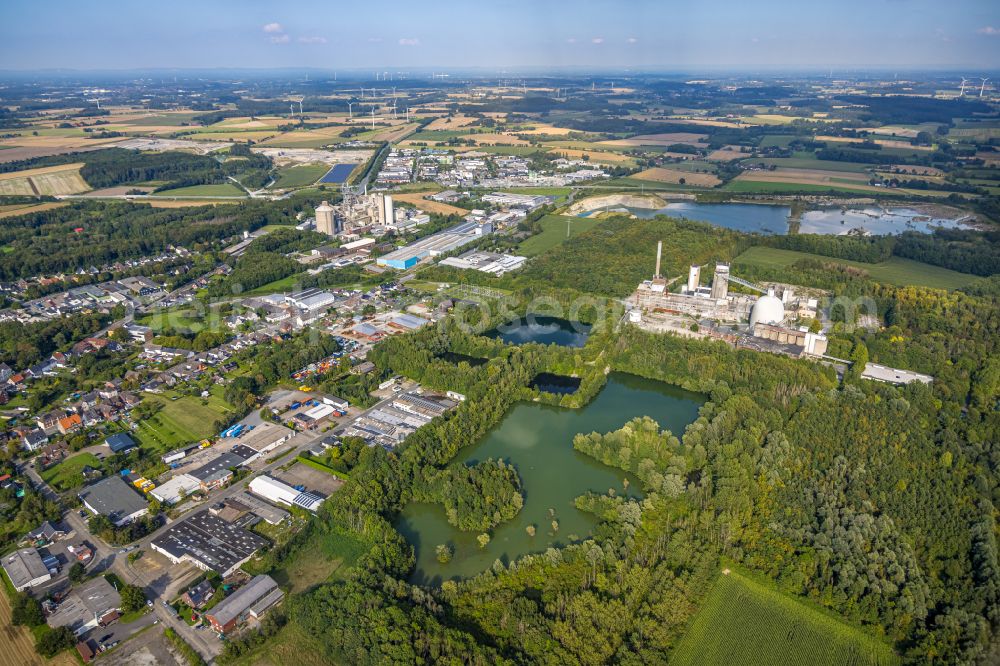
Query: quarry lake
[(543, 330), (538, 440), (772, 219)]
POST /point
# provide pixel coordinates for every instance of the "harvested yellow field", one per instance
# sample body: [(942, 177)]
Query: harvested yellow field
[(57, 141), (418, 200), (706, 122), (726, 153), (496, 140), (661, 175), (592, 155), (62, 179), (451, 123), (11, 211), (778, 119), (303, 137), (245, 122), (664, 139), (889, 130), (548, 130)]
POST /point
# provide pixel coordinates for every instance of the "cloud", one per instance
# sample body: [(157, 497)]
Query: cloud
[(597, 40), (571, 40), (754, 39), (631, 40), (374, 40), (280, 39), (989, 31), (312, 40), (273, 27), (409, 41)]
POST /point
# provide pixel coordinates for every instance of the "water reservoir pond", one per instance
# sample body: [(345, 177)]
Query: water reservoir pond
[(773, 219), (557, 384), (543, 330), (538, 440)]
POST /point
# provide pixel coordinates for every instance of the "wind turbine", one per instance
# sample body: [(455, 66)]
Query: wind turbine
[(291, 109), (373, 117), (961, 91), (981, 89), (300, 107), (350, 113), (407, 114)]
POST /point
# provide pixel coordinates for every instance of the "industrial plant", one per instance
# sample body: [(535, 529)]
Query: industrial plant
[(697, 310)]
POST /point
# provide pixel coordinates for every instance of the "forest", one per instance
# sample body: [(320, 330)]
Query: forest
[(169, 169), (49, 242)]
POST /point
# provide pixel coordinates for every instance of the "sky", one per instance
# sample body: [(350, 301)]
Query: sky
[(499, 34)]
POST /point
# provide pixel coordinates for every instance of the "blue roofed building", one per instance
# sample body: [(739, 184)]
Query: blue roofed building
[(120, 442)]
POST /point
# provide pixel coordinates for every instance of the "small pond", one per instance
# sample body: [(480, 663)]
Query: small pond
[(543, 330)]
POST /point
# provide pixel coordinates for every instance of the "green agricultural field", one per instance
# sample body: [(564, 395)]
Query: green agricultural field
[(69, 473), (181, 421), (438, 135), (554, 233), (765, 187), (813, 163), (777, 140), (218, 190), (747, 622), (300, 176), (896, 270)]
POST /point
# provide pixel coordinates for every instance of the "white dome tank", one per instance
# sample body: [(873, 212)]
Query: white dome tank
[(767, 310)]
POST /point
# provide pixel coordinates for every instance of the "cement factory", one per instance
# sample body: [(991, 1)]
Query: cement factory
[(368, 213), (765, 318)]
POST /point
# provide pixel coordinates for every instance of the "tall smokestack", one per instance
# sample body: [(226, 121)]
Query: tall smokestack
[(659, 253)]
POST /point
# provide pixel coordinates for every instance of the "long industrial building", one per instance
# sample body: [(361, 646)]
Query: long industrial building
[(280, 492), (208, 542), (436, 244)]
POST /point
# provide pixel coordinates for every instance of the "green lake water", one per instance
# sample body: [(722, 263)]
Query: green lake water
[(538, 440)]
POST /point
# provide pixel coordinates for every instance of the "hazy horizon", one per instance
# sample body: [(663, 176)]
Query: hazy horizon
[(597, 34)]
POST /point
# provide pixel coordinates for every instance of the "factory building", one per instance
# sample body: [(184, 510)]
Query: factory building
[(208, 542), (436, 244), (25, 569), (813, 344), (279, 492), (250, 601), (114, 498), (96, 603)]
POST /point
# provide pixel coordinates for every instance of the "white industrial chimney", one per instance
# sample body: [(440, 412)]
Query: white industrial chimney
[(659, 254)]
